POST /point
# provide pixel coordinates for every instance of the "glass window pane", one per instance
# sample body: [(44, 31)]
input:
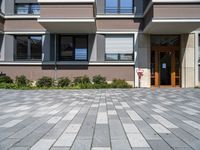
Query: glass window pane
[(126, 6), (1, 42), (35, 9), (22, 9), (22, 47), (66, 48), (112, 57), (111, 6), (36, 47), (126, 57), (81, 48), (165, 40), (199, 48)]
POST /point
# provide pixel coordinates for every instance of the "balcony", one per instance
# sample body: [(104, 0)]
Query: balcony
[(67, 17), (172, 17)]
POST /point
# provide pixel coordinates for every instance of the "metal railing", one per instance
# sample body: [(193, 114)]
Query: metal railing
[(27, 10), (121, 10)]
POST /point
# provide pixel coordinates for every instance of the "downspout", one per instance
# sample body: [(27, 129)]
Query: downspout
[(55, 58)]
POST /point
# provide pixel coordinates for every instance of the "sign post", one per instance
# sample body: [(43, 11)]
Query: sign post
[(140, 73)]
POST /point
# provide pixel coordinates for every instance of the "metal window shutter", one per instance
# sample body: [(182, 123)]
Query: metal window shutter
[(119, 44)]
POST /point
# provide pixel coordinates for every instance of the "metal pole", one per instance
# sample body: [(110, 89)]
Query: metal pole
[(55, 57)]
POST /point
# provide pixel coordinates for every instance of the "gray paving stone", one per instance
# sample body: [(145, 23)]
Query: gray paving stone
[(120, 145), (82, 144), (101, 136), (137, 119), (19, 148), (159, 145), (7, 143)]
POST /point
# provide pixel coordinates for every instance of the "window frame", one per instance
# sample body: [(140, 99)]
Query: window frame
[(199, 48), (29, 49), (59, 58), (119, 57), (30, 10), (118, 9), (119, 54)]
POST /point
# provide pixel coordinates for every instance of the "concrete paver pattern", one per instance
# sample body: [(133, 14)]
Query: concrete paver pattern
[(114, 119)]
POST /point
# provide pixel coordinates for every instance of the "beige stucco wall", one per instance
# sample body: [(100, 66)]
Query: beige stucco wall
[(176, 11), (188, 60), (143, 59), (35, 72), (67, 11), (118, 24), (22, 25)]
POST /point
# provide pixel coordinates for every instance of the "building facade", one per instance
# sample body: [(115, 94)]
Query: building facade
[(113, 38)]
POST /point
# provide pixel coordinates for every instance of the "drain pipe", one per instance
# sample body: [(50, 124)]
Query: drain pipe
[(55, 58)]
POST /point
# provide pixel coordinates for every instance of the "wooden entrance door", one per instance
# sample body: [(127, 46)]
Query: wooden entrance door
[(165, 66)]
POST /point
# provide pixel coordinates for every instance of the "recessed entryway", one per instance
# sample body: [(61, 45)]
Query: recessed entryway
[(165, 60)]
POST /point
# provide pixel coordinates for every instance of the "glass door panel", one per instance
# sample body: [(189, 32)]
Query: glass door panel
[(165, 68)]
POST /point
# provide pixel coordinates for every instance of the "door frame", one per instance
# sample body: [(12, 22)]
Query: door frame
[(172, 49)]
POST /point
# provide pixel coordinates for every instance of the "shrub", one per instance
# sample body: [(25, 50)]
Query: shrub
[(102, 86), (63, 82), (81, 80), (98, 79), (22, 81), (44, 82), (86, 86), (5, 79), (7, 86), (119, 83)]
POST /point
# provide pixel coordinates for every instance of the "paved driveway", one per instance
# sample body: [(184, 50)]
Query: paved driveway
[(138, 119)]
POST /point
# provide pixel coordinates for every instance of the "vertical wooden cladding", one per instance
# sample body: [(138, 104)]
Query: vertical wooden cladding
[(67, 10)]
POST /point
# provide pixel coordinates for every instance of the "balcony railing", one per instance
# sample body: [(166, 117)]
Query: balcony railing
[(25, 9), (121, 10)]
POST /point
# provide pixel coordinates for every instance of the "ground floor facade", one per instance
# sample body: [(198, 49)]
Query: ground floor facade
[(167, 60)]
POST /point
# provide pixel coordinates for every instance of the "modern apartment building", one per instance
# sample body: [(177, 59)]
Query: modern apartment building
[(109, 37)]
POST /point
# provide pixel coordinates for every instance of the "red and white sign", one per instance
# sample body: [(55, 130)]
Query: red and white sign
[(140, 73)]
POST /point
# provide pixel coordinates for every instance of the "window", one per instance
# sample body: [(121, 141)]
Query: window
[(119, 48), (22, 47), (28, 48), (66, 48), (73, 48), (199, 48), (24, 9), (36, 47), (0, 6), (165, 40), (119, 6), (80, 48)]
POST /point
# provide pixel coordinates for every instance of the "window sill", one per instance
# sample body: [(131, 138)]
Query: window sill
[(116, 16), (105, 63), (39, 63), (21, 63), (16, 16)]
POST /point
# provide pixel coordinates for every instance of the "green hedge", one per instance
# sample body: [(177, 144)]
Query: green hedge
[(64, 82), (81, 82), (22, 81), (5, 79), (44, 82)]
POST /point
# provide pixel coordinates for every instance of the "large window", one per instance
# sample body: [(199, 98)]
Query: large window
[(119, 48), (28, 47), (25, 9), (199, 48), (119, 6), (73, 48)]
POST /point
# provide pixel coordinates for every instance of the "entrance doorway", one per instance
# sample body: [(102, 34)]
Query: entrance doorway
[(165, 61)]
